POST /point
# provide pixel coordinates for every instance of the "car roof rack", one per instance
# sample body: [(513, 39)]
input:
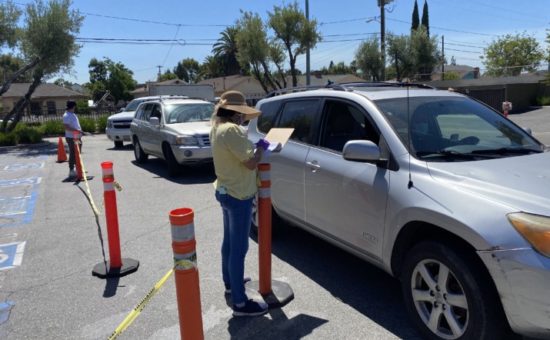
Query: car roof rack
[(351, 86)]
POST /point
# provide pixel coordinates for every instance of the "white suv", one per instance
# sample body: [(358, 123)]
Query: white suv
[(174, 129)]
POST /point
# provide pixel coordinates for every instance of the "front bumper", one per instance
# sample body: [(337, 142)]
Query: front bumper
[(522, 277), (192, 154), (116, 135)]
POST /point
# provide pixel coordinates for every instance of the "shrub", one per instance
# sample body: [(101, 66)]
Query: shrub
[(7, 139), (101, 123), (87, 124), (543, 100), (53, 128), (27, 135)]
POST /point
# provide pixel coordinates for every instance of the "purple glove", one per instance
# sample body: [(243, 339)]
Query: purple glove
[(262, 143)]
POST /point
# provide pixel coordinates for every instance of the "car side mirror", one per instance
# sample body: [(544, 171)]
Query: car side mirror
[(528, 130), (362, 151), (154, 121)]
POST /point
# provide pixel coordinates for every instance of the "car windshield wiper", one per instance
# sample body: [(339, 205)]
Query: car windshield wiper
[(450, 154), (506, 151)]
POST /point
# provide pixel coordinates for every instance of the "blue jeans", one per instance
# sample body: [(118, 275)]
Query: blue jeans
[(237, 217)]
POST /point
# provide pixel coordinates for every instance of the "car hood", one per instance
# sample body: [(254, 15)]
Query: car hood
[(190, 128), (521, 183), (125, 115)]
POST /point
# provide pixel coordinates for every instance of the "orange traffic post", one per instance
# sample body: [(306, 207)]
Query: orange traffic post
[(61, 154), (116, 266), (186, 274), (275, 293), (76, 139)]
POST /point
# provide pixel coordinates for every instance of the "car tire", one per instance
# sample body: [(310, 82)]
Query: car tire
[(173, 165), (139, 154), (118, 144), (462, 305)]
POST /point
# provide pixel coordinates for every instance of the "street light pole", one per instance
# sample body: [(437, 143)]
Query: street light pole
[(308, 76)]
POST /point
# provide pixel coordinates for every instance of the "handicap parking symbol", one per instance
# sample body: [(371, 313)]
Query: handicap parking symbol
[(11, 255)]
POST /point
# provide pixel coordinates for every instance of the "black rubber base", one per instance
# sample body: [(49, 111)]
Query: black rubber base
[(281, 293), (128, 266)]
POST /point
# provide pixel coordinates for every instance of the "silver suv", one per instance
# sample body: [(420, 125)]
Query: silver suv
[(118, 125), (435, 188), (174, 129)]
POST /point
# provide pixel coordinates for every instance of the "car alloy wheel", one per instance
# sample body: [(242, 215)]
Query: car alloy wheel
[(439, 299)]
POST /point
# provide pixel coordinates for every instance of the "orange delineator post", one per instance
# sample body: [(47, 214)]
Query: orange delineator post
[(111, 214), (186, 274), (116, 266), (61, 154), (264, 232), (76, 139), (274, 292)]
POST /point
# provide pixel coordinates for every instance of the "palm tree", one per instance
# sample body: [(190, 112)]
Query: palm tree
[(226, 50)]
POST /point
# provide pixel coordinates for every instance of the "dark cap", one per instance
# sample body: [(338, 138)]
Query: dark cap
[(71, 104)]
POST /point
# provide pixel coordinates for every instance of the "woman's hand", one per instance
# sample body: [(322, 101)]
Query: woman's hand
[(252, 163)]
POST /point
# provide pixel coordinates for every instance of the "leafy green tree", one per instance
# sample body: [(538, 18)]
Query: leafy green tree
[(255, 50), (188, 70), (415, 17), (296, 33), (63, 83), (225, 48), (10, 64), (452, 75), (400, 55), (509, 55), (426, 18), (48, 44), (9, 15), (107, 75), (425, 53), (547, 80), (167, 75), (369, 59), (212, 67)]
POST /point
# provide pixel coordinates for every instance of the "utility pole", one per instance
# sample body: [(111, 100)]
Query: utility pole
[(442, 57), (382, 3), (308, 75), (158, 77)]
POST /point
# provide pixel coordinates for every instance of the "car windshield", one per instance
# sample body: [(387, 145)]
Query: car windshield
[(183, 113), (132, 106), (455, 129)]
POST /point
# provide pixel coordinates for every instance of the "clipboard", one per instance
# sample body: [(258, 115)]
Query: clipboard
[(277, 138)]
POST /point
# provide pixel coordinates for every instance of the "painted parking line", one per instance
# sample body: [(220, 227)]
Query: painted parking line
[(24, 166), (11, 255), (17, 210)]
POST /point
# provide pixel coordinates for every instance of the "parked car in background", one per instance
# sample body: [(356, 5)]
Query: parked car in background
[(435, 188), (174, 129), (118, 125)]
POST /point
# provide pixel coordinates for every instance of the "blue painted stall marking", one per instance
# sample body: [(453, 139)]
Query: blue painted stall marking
[(23, 166), (13, 205), (11, 255)]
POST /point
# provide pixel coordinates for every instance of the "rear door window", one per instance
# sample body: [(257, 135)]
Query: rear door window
[(302, 115)]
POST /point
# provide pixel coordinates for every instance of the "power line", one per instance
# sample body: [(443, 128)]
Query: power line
[(445, 29), (465, 51)]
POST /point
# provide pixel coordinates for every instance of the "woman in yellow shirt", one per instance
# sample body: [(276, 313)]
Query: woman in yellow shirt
[(235, 162)]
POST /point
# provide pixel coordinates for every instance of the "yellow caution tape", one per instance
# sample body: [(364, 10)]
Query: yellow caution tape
[(88, 192), (137, 310)]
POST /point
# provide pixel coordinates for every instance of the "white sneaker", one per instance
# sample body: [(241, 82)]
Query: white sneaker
[(72, 173)]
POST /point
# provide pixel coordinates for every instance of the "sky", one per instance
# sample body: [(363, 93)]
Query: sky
[(466, 25)]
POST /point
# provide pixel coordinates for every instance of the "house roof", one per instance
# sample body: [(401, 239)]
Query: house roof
[(142, 88), (45, 90)]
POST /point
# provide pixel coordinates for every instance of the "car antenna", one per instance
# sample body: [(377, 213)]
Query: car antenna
[(410, 184)]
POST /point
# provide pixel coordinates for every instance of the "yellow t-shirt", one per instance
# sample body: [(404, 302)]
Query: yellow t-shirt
[(231, 147)]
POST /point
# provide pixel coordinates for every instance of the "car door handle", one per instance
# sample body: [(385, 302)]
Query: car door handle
[(314, 165)]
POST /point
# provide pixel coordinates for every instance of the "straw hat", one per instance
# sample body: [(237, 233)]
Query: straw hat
[(234, 101)]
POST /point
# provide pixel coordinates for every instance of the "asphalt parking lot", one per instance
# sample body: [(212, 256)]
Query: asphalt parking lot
[(49, 243)]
